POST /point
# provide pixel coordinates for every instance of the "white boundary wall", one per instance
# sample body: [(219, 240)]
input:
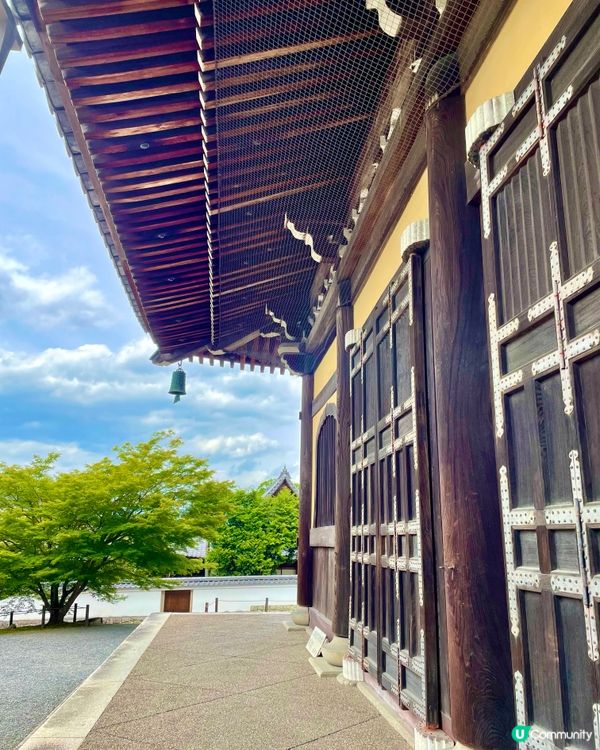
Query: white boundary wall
[(235, 594)]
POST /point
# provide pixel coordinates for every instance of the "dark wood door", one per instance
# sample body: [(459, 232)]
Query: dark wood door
[(541, 236), (392, 606), (177, 601)]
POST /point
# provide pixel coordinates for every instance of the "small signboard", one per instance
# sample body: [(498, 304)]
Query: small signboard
[(316, 642)]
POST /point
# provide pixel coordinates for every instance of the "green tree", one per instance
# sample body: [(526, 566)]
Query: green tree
[(121, 519), (259, 536)]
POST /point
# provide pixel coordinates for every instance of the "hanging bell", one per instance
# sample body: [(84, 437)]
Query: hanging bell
[(177, 388)]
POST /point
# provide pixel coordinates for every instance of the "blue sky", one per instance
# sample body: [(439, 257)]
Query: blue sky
[(74, 369)]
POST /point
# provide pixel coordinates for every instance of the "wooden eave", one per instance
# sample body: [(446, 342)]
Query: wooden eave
[(196, 129)]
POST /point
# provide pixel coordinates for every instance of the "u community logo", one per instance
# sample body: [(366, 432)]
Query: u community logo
[(520, 733)]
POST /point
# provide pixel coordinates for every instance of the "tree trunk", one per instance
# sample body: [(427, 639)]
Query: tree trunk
[(54, 609), (58, 607)]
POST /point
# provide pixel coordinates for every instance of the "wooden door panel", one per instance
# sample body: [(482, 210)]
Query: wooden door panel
[(392, 611), (541, 236), (177, 601)]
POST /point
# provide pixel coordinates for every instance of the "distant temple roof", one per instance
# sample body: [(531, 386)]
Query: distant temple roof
[(283, 480)]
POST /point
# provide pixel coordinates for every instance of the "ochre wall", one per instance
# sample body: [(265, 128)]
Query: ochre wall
[(522, 35), (326, 368), (389, 259), (315, 435)]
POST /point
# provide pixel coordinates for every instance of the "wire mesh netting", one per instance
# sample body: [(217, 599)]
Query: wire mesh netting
[(307, 95)]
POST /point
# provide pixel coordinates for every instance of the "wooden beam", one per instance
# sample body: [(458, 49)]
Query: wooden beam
[(275, 196), (65, 10), (194, 234), (86, 96), (278, 106), (137, 225), (157, 207), (175, 177), (295, 49), (341, 584), (284, 133), (68, 32), (75, 78), (152, 156), (147, 195), (117, 176), (146, 108), (475, 586), (304, 522), (120, 50)]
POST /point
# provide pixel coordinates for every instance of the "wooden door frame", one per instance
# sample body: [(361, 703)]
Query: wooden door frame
[(496, 173), (408, 280)]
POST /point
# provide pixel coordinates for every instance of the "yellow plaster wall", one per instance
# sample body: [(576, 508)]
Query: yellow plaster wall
[(326, 368), (522, 35), (315, 435), (389, 259)]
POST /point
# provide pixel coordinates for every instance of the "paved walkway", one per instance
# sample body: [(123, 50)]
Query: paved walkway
[(235, 682), (40, 668)]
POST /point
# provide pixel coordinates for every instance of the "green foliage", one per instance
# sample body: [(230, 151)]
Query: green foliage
[(121, 519), (259, 536)]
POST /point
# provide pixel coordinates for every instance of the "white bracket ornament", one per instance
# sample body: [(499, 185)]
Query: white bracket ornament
[(415, 235), (484, 121), (389, 21), (280, 322), (352, 338), (394, 117), (305, 237)]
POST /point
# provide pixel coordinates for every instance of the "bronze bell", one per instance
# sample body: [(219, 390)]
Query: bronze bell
[(177, 388)]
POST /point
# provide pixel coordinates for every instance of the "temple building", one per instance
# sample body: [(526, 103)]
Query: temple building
[(399, 201)]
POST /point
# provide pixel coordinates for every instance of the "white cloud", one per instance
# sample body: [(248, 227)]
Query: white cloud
[(70, 297), (72, 456), (86, 374), (235, 446)]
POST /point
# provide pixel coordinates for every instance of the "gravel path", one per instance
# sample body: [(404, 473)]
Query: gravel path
[(38, 669)]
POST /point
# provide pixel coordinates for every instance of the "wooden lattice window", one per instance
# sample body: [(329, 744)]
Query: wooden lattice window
[(325, 479)]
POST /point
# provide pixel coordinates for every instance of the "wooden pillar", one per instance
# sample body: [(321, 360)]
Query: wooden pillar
[(304, 549), (477, 622), (341, 591)]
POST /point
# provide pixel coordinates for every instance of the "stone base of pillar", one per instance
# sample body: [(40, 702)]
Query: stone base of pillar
[(300, 616), (289, 625), (323, 668), (434, 739), (335, 651)]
